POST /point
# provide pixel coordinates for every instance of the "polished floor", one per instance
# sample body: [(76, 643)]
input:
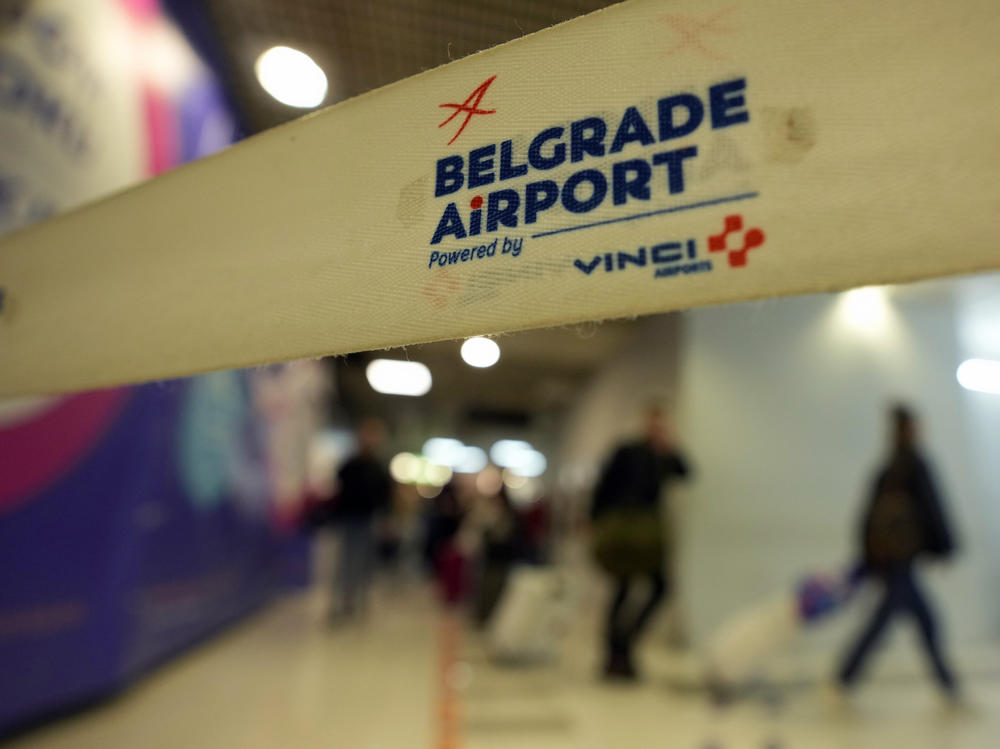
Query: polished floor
[(412, 677)]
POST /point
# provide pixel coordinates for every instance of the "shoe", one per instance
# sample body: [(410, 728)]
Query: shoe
[(614, 667), (618, 666)]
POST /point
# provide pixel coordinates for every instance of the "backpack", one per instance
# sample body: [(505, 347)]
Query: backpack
[(894, 533)]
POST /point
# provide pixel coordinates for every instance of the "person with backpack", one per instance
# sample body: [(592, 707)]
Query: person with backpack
[(628, 536), (904, 521)]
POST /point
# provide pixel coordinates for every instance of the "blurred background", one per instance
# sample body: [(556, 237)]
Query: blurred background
[(290, 554)]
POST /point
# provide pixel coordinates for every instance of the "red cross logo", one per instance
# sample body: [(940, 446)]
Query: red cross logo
[(470, 106), (752, 238)]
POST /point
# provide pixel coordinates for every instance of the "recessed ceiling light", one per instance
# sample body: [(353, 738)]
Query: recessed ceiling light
[(291, 77), (480, 352), (865, 310), (394, 377)]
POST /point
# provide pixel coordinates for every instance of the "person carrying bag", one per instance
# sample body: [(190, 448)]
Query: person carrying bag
[(628, 538)]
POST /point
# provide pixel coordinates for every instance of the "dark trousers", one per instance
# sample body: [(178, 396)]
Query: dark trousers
[(902, 595), (354, 568), (623, 627)]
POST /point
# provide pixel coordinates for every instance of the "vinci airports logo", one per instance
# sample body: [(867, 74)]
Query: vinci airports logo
[(674, 258)]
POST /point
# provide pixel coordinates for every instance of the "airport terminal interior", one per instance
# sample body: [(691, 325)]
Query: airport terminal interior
[(644, 532)]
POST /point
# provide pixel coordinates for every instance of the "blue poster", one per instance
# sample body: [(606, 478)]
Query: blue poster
[(133, 522)]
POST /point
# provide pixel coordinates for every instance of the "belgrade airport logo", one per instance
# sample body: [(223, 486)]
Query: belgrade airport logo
[(676, 258), (649, 178)]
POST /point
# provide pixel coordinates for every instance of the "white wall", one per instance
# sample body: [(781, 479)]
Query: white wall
[(979, 337), (782, 408)]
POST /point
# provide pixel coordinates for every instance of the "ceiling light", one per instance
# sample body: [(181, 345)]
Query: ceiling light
[(394, 377), (518, 456), (506, 453), (530, 463), (480, 352), (405, 468), (474, 459), (444, 451), (981, 375), (435, 475), (865, 310), (291, 77)]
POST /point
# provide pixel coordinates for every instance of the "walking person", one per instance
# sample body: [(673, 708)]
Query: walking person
[(903, 522), (364, 490), (628, 536)]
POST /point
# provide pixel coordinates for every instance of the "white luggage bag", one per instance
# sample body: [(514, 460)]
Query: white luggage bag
[(531, 617), (742, 646)]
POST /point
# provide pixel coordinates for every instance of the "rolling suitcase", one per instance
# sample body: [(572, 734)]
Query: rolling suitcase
[(739, 650)]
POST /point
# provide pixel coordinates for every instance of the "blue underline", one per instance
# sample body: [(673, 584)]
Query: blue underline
[(647, 214)]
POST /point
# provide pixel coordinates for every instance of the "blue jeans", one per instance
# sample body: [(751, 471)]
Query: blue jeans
[(902, 596), (355, 564)]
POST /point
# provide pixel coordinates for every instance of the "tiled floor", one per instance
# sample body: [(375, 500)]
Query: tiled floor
[(284, 679)]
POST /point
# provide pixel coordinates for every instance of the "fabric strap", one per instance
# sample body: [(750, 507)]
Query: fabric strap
[(653, 156)]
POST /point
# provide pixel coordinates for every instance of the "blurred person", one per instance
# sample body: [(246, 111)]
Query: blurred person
[(388, 534), (408, 528), (903, 521), (444, 517), (497, 537), (365, 490), (537, 523), (628, 534), (442, 552)]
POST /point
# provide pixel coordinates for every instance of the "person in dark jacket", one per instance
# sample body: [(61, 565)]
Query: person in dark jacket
[(504, 544), (632, 482), (904, 520), (365, 490)]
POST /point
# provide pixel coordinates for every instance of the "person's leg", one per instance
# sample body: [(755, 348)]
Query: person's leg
[(615, 608), (336, 579), (342, 578), (365, 562), (657, 592), (351, 565), (927, 624), (855, 660), (631, 632), (614, 630)]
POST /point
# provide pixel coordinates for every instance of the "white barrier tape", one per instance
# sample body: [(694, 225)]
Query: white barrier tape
[(649, 157)]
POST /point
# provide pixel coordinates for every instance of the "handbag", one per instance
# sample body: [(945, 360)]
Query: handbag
[(629, 541)]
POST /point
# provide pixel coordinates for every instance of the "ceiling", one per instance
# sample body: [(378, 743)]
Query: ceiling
[(540, 373), (364, 44)]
